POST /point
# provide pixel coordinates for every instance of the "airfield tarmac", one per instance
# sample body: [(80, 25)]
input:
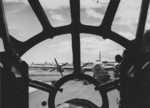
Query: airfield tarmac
[(72, 89)]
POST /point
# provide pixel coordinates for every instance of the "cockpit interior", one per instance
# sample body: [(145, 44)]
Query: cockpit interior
[(75, 53)]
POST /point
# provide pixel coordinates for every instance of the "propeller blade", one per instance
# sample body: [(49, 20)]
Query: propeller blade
[(59, 67), (56, 61), (64, 64)]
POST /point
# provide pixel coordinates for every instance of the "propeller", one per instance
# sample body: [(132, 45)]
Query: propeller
[(56, 61), (58, 67)]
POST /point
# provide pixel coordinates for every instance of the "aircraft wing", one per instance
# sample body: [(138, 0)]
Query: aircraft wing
[(87, 69), (40, 67), (107, 68), (70, 68)]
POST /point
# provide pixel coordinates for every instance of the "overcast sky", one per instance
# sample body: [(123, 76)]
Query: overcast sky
[(23, 24)]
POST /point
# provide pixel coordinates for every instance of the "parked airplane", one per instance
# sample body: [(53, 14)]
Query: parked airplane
[(100, 70), (88, 67)]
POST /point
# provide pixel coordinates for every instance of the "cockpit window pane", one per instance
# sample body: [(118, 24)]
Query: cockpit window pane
[(21, 20), (57, 11), (147, 27), (126, 18), (41, 58), (92, 11), (91, 45), (100, 55)]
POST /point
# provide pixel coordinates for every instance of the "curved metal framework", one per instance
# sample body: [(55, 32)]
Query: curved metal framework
[(75, 28)]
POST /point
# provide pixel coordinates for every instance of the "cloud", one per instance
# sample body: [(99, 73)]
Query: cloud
[(93, 13), (52, 46), (89, 44), (63, 51), (55, 4), (90, 4), (16, 1), (48, 4), (58, 4), (90, 48), (64, 47), (128, 12), (58, 17), (128, 15)]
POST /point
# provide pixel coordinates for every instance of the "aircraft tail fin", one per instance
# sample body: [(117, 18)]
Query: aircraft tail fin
[(100, 56)]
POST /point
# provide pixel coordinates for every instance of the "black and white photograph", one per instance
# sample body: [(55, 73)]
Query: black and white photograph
[(74, 53)]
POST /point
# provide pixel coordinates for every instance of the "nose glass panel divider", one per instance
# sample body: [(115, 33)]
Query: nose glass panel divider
[(75, 28), (139, 36), (75, 16), (109, 15), (38, 10)]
